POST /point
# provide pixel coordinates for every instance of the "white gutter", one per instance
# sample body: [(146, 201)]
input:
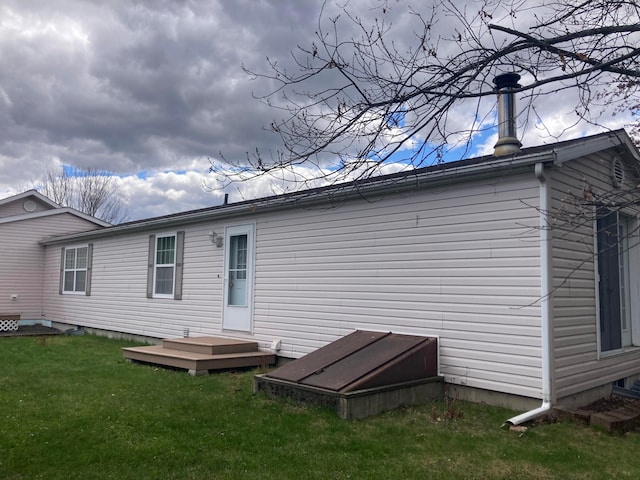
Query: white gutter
[(546, 311)]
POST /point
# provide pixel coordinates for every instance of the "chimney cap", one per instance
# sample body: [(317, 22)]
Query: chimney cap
[(507, 80), (508, 143)]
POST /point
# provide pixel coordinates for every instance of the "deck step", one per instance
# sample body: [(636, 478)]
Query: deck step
[(219, 354), (210, 345)]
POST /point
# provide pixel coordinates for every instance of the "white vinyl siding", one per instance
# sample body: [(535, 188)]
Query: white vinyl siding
[(578, 364), (460, 263), (119, 300)]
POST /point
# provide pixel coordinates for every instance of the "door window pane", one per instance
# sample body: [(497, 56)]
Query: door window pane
[(237, 294)]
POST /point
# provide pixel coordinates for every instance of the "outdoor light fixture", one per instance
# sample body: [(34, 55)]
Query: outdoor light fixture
[(215, 239)]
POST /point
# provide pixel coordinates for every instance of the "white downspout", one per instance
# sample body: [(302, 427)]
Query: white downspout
[(546, 311)]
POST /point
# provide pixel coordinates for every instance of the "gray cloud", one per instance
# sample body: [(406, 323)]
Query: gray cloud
[(132, 86), (136, 85)]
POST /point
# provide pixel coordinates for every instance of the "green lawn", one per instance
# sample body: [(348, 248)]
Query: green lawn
[(72, 408)]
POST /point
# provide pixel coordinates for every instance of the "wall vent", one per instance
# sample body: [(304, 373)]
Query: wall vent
[(617, 172)]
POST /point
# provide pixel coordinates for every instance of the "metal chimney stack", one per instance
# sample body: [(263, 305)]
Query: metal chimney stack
[(508, 143)]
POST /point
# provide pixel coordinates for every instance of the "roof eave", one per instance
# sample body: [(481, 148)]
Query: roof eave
[(30, 193), (509, 165), (432, 176), (52, 212), (597, 143)]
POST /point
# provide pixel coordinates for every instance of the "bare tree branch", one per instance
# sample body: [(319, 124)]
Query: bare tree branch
[(91, 191), (364, 94)]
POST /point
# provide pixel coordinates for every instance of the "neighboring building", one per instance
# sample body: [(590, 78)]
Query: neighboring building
[(462, 251), (25, 219)]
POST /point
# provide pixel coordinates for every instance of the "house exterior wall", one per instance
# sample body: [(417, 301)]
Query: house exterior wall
[(460, 262), (23, 260), (578, 365), (118, 300)]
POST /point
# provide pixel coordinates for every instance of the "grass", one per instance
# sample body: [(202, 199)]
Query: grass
[(72, 408)]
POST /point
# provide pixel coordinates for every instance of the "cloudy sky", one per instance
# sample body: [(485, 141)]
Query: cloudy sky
[(150, 90)]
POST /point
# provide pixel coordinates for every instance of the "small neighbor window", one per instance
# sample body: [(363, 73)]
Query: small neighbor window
[(165, 266), (75, 269)]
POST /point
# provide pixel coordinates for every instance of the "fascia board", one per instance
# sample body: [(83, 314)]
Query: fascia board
[(592, 145), (49, 213), (30, 193)]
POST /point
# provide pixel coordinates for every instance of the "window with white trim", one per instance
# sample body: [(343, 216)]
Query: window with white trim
[(75, 269), (165, 266)]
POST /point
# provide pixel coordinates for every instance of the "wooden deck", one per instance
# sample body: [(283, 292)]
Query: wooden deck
[(199, 355)]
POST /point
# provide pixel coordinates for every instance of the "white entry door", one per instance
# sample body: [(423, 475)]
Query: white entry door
[(238, 277)]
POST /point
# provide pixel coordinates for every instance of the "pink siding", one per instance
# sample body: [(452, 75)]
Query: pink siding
[(22, 262)]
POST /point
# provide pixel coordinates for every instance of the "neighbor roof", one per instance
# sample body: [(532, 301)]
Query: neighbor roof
[(54, 212), (27, 194), (55, 209)]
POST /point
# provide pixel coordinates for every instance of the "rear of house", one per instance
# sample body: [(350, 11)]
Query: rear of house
[(462, 252), (461, 264)]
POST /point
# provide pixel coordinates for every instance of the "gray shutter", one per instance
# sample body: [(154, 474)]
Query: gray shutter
[(87, 287), (61, 288), (152, 254), (177, 290)]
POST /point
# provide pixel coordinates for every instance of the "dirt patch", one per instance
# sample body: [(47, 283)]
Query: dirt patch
[(608, 403), (614, 414)]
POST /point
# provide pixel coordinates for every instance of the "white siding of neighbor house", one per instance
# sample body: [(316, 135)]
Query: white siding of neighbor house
[(577, 366), (23, 260), (460, 262)]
